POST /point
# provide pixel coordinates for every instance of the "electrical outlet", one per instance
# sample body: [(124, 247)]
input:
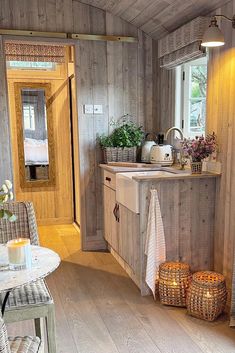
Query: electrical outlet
[(88, 109), (98, 109)]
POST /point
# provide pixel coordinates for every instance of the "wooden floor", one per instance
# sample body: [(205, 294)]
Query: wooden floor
[(100, 310)]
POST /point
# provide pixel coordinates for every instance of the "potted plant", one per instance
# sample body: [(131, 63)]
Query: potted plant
[(121, 145), (198, 149)]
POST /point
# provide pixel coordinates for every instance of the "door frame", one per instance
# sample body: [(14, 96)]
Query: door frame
[(59, 41)]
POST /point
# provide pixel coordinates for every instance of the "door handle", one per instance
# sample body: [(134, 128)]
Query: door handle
[(108, 179)]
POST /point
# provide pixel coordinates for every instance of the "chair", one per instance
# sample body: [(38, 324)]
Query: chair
[(17, 344), (32, 301)]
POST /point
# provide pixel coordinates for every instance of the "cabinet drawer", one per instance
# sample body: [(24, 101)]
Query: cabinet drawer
[(109, 179)]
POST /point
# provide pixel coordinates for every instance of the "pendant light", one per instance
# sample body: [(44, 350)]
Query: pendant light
[(213, 37)]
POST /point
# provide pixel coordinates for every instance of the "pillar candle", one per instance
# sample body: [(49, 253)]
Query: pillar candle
[(19, 254)]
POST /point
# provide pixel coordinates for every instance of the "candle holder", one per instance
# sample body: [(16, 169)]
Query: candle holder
[(207, 295), (174, 280), (19, 254)]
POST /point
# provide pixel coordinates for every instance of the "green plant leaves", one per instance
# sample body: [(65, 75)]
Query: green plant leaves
[(126, 135)]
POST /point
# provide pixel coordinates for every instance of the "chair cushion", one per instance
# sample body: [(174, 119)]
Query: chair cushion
[(25, 344), (35, 293)]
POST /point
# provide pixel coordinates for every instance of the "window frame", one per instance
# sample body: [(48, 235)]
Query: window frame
[(182, 94), (31, 118)]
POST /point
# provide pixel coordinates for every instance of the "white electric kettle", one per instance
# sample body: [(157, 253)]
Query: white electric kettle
[(146, 148)]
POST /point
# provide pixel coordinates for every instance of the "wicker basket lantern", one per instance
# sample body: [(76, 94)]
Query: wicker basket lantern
[(207, 295), (174, 280)]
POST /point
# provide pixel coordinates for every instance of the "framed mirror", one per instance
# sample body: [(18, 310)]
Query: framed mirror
[(35, 134)]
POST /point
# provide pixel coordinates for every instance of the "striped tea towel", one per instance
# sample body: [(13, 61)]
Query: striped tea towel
[(155, 247)]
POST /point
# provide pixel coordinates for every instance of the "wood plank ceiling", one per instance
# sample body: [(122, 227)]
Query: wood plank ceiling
[(157, 17)]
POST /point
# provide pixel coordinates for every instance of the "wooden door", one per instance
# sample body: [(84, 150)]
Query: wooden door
[(53, 205)]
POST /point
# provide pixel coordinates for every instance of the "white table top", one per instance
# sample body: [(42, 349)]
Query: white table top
[(44, 261)]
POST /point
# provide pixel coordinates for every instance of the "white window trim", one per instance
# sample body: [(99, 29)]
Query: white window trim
[(182, 94), (31, 108)]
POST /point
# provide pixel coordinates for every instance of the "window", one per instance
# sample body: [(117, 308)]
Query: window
[(31, 65), (29, 116), (191, 85)]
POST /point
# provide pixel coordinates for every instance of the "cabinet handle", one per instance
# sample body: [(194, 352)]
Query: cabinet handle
[(115, 211), (108, 179), (118, 213)]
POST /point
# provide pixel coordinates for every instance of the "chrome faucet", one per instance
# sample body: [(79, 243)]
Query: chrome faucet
[(174, 128), (182, 160)]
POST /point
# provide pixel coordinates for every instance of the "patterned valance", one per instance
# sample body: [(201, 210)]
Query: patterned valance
[(184, 44), (34, 52)]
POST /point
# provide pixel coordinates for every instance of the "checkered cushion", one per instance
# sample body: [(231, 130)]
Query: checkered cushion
[(25, 226), (35, 293), (25, 344)]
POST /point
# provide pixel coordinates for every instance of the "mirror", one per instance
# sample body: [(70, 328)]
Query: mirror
[(35, 134)]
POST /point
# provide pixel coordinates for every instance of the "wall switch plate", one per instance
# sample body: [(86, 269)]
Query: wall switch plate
[(98, 109), (88, 109)]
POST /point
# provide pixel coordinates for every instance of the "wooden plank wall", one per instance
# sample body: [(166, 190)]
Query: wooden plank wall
[(157, 17), (221, 119), (118, 76), (5, 146), (165, 97)]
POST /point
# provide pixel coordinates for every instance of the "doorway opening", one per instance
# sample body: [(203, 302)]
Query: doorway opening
[(44, 129)]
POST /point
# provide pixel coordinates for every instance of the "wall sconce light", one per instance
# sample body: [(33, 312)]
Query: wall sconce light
[(213, 37)]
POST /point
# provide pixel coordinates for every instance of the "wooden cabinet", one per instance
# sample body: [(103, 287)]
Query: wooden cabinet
[(129, 238), (121, 229), (188, 212), (110, 221)]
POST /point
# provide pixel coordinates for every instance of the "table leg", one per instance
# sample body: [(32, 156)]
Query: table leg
[(4, 302)]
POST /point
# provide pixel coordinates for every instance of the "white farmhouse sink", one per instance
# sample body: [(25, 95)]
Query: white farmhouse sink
[(127, 189)]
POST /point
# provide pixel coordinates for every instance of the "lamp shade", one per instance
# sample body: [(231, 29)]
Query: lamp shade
[(213, 37)]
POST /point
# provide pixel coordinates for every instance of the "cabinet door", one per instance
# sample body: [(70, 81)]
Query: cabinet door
[(129, 237), (114, 223), (110, 223)]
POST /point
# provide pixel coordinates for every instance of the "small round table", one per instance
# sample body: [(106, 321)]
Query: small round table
[(44, 262)]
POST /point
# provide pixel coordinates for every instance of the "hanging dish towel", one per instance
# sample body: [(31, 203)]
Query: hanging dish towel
[(155, 246)]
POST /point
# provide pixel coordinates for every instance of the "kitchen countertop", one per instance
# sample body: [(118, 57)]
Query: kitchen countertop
[(140, 167)]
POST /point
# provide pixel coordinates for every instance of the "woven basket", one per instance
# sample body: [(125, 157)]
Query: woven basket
[(207, 295), (119, 154), (174, 280), (196, 167)]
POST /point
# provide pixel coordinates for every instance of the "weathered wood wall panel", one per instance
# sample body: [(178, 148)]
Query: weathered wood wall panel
[(157, 17), (5, 146), (221, 119), (165, 97), (116, 75)]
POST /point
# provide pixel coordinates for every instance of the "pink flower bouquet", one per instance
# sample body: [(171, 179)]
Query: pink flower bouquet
[(199, 148)]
